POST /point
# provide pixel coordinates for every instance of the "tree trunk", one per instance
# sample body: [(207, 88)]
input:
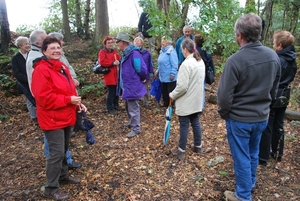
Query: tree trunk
[(66, 25), (4, 26), (87, 19), (102, 21), (78, 22), (268, 21)]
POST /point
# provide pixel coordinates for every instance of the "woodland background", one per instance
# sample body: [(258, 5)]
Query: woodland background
[(116, 168)]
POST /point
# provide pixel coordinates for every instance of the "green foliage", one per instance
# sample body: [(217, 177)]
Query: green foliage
[(4, 117), (97, 89), (216, 24), (6, 82)]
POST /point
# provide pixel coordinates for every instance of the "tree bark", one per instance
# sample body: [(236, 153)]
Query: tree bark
[(66, 24), (102, 21), (4, 26), (78, 21), (87, 19)]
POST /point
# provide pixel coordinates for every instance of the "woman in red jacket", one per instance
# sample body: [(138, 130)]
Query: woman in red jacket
[(56, 104), (109, 58)]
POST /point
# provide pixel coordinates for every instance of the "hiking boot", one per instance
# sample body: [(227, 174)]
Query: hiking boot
[(118, 108), (70, 180), (58, 195), (131, 134), (177, 152), (230, 196)]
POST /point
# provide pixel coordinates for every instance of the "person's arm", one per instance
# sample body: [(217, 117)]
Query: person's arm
[(182, 83), (174, 64), (226, 89), (140, 24)]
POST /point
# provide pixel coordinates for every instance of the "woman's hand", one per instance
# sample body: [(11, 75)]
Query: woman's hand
[(81, 108), (171, 77), (116, 63), (76, 83), (76, 100)]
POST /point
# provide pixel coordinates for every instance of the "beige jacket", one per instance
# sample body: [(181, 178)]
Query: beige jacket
[(190, 87)]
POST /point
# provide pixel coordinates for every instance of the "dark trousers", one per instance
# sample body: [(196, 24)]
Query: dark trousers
[(112, 100), (184, 130), (166, 88), (56, 163), (273, 135)]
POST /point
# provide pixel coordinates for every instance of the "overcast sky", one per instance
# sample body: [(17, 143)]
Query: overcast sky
[(32, 12)]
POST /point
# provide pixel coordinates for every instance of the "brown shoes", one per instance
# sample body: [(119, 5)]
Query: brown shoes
[(70, 180), (58, 195)]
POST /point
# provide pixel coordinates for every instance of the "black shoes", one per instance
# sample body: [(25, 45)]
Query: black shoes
[(118, 108), (74, 165), (263, 163), (112, 112), (70, 180), (58, 195), (275, 157), (72, 134)]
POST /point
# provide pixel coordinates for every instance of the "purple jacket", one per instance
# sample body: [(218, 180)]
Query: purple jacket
[(133, 73)]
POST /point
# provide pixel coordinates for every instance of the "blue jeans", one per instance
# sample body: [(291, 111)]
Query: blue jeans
[(244, 139), (46, 151), (184, 130)]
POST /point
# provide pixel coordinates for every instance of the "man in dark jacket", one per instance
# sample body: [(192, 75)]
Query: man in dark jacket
[(143, 27), (247, 86)]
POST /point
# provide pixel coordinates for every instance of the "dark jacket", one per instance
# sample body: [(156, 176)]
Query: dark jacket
[(19, 69), (207, 58), (144, 25), (287, 58), (249, 83)]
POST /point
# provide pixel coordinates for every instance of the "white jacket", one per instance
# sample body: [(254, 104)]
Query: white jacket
[(189, 87)]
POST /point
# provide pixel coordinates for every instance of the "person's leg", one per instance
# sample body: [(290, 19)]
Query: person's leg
[(134, 113), (196, 125), (146, 97), (54, 164), (31, 108), (255, 137), (238, 134), (46, 147), (264, 150), (165, 94), (111, 93), (184, 132), (151, 44), (171, 87), (278, 133)]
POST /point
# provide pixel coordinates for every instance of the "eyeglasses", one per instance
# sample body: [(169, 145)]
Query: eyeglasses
[(55, 48), (118, 41)]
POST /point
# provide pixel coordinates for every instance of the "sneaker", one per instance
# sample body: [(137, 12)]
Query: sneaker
[(176, 152), (74, 165), (131, 134), (198, 150), (127, 125), (230, 196)]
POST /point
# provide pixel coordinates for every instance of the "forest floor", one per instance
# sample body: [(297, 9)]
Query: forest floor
[(141, 168)]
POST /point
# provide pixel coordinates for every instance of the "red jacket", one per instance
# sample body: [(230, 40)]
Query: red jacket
[(106, 59), (52, 90)]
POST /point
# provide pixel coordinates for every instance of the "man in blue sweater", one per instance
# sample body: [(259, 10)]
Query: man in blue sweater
[(247, 86), (187, 33)]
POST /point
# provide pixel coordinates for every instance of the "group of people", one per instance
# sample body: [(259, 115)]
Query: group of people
[(251, 85)]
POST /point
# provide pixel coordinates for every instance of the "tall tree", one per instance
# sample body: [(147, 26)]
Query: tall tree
[(4, 26), (87, 19), (66, 25), (102, 21), (78, 22)]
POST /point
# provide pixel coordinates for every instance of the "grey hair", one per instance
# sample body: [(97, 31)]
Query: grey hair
[(20, 40), (35, 36), (250, 25), (57, 35), (186, 27), (168, 39)]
